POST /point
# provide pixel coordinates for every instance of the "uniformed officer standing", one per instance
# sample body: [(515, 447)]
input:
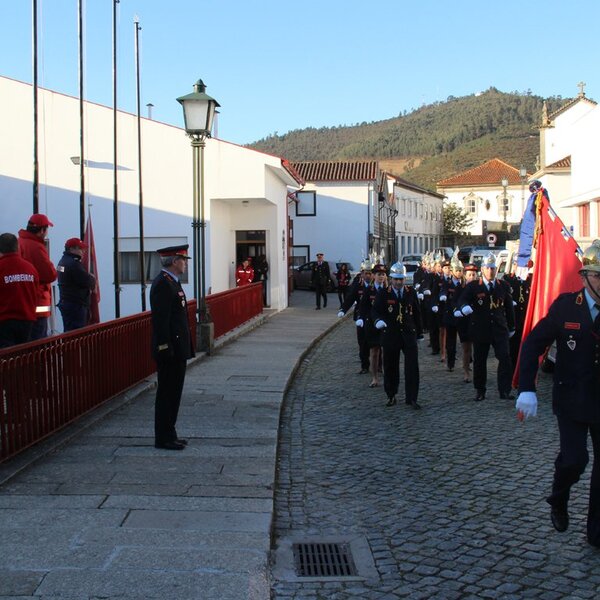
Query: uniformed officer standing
[(320, 278), (492, 322), (429, 287), (519, 290), (573, 320), (449, 294), (396, 314), (171, 344), (359, 286)]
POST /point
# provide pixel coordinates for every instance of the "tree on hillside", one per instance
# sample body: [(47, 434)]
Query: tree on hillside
[(457, 221)]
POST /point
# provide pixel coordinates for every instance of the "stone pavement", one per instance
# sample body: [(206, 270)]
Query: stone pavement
[(107, 515), (449, 500)]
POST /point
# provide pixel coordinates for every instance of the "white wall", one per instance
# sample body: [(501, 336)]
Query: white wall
[(232, 173)]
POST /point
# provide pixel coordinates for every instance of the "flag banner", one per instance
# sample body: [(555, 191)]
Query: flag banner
[(89, 262), (557, 261), (527, 231)]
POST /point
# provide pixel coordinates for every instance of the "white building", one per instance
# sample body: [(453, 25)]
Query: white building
[(569, 149), (480, 192), (245, 192)]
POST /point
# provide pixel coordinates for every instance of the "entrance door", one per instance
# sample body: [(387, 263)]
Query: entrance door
[(250, 244)]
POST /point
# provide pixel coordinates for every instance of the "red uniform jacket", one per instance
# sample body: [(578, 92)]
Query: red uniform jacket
[(18, 288), (33, 249), (244, 276)]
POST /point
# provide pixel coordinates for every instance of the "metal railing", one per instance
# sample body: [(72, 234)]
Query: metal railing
[(47, 384), (232, 308)]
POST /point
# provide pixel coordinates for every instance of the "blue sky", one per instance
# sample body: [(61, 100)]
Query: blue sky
[(278, 66)]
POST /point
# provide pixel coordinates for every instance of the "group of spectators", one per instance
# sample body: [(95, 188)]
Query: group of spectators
[(26, 277), (253, 270)]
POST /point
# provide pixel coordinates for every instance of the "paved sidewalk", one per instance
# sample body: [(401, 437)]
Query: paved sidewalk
[(109, 516)]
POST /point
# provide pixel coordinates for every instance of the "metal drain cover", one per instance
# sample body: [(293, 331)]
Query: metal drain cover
[(323, 560)]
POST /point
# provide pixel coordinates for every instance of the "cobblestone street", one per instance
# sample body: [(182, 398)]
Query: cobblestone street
[(451, 499)]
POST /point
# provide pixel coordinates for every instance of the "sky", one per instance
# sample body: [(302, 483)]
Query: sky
[(276, 66)]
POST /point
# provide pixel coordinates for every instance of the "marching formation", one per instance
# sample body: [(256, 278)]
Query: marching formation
[(452, 303)]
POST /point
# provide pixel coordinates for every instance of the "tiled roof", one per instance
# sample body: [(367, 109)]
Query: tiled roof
[(563, 163), (568, 105), (417, 188), (489, 173), (336, 170)]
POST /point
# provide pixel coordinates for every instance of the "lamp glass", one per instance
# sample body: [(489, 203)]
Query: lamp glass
[(504, 183), (198, 116)]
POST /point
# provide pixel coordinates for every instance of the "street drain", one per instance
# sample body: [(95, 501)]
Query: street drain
[(323, 560)]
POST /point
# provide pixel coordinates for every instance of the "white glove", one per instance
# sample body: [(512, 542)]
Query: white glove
[(427, 292), (381, 324), (359, 322), (434, 309), (420, 296), (466, 310), (458, 314), (527, 404), (341, 314), (514, 303), (443, 298), (511, 333), (417, 286)]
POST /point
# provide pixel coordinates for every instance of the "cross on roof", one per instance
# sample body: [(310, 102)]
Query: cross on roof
[(581, 85)]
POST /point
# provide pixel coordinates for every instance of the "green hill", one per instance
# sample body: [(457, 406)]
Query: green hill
[(432, 142)]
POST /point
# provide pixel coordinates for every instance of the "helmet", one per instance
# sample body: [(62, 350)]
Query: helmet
[(455, 263), (591, 258), (366, 265), (490, 261), (398, 271), (535, 186)]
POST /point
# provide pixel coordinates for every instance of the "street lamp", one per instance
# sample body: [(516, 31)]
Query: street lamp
[(198, 114), (504, 184), (523, 176)]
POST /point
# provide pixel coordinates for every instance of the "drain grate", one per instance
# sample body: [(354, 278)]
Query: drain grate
[(323, 560)]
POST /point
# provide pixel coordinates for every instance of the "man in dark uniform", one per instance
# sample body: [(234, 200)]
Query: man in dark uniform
[(171, 344), (429, 287), (359, 286), (320, 278), (573, 320), (492, 322), (519, 290), (396, 313)]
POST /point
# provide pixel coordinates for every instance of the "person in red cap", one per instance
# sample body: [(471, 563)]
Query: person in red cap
[(171, 344), (18, 293), (75, 285), (33, 249), (244, 274)]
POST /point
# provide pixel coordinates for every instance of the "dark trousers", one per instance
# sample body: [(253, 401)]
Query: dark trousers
[(451, 345), (342, 294), (14, 331), (480, 354), (570, 465), (40, 328), (363, 348), (391, 371), (171, 375), (434, 331), (514, 344), (321, 290), (74, 316)]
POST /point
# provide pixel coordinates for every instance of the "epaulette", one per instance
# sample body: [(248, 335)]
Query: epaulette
[(579, 299)]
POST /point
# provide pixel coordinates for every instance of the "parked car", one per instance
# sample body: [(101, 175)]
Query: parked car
[(464, 254), (410, 267), (302, 274), (445, 251), (412, 259)]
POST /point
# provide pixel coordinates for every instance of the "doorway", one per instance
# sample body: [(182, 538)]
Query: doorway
[(250, 244)]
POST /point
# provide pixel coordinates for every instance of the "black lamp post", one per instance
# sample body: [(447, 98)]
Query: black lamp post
[(198, 114), (504, 184), (523, 176)]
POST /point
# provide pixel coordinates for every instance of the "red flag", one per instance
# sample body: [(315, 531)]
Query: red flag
[(556, 267), (89, 262)]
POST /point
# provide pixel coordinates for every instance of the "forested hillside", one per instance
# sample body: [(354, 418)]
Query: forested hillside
[(434, 141)]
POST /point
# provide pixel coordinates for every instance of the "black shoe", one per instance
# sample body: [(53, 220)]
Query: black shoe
[(506, 396), (170, 446), (182, 441), (450, 368), (318, 308), (480, 396), (415, 405), (559, 518), (391, 401)]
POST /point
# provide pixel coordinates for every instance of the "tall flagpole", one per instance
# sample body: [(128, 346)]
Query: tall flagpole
[(81, 128), (36, 176), (116, 262), (136, 23)]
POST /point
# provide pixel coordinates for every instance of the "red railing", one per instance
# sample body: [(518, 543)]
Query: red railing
[(45, 385), (232, 308)]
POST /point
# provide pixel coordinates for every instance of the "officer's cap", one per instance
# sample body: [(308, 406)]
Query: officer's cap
[(180, 251), (471, 268), (379, 268)]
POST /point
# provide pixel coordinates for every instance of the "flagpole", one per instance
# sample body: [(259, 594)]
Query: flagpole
[(81, 130), (139, 141), (36, 176), (117, 275)]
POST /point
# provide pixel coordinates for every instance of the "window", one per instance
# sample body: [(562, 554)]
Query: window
[(584, 220), (307, 204), (420, 211), (129, 258), (300, 255), (403, 207)]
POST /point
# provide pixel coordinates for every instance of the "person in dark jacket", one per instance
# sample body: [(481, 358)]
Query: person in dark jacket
[(320, 278), (519, 290), (573, 321), (343, 278), (396, 314), (75, 285), (488, 304), (171, 344)]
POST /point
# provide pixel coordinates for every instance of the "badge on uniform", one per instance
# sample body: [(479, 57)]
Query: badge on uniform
[(480, 301), (571, 344), (391, 308)]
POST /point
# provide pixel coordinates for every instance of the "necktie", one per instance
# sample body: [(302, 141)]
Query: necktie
[(491, 287)]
